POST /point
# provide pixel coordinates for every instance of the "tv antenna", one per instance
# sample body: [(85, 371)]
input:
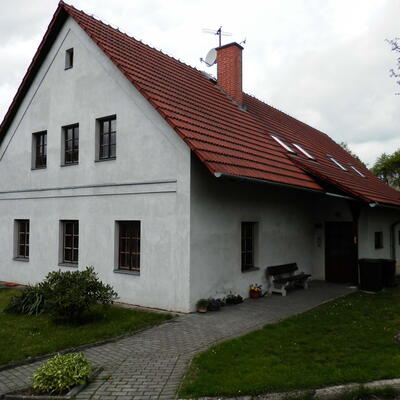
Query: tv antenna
[(219, 33)]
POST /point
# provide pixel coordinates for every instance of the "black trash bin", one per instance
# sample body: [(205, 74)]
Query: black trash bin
[(388, 272), (371, 277)]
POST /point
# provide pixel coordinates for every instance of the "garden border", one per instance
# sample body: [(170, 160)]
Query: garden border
[(328, 392), (71, 394)]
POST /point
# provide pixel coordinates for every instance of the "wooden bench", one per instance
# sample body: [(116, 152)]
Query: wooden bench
[(282, 277)]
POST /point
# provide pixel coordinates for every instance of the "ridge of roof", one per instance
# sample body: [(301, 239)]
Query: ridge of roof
[(128, 35)]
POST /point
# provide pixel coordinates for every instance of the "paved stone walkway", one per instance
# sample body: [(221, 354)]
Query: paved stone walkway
[(151, 364)]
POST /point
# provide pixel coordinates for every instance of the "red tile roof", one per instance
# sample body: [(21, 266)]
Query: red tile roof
[(226, 138)]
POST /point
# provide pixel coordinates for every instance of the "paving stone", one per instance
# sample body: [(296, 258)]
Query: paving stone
[(150, 365)]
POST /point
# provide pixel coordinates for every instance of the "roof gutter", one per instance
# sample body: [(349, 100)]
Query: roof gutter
[(245, 178), (376, 204), (340, 196), (285, 185)]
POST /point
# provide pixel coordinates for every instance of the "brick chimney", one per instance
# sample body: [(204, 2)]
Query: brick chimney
[(229, 70)]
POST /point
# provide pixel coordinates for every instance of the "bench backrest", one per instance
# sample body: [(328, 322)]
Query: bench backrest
[(282, 269)]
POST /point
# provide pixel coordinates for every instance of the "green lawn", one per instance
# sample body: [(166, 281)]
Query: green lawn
[(23, 336), (346, 340)]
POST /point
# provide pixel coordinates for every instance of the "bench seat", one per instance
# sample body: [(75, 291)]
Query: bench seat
[(293, 278), (282, 277)]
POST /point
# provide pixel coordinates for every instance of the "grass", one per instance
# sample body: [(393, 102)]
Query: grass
[(27, 336), (346, 340)]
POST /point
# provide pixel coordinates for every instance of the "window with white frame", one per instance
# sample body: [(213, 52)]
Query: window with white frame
[(337, 163), (282, 143), (22, 239), (305, 152), (69, 242)]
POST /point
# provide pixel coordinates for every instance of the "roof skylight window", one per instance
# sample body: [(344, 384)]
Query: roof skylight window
[(283, 144), (305, 152), (337, 163), (358, 172)]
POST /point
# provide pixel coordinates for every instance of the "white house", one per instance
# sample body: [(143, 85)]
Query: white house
[(173, 185)]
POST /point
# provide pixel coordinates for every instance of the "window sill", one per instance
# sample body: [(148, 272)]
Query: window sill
[(66, 68), (21, 259), (68, 265), (35, 168), (122, 271), (251, 269), (69, 165), (105, 159)]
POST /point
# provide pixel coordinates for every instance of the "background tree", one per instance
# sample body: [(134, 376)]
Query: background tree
[(387, 167), (345, 146), (395, 73)]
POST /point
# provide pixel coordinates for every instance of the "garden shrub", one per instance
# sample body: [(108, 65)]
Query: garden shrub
[(233, 299), (30, 302), (60, 373), (68, 295)]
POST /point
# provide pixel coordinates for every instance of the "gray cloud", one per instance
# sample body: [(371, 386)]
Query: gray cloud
[(325, 63)]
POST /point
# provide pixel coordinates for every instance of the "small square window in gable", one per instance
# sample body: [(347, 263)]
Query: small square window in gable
[(69, 58)]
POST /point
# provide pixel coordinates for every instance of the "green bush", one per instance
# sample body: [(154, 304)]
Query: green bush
[(29, 302), (61, 373), (68, 295)]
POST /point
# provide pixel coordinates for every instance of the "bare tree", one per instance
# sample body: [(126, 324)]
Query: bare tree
[(395, 73)]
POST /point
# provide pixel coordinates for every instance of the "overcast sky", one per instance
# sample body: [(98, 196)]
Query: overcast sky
[(324, 62)]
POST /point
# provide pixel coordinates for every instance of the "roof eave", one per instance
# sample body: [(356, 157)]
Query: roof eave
[(56, 23)]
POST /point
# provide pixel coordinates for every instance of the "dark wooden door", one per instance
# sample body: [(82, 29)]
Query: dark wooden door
[(340, 253)]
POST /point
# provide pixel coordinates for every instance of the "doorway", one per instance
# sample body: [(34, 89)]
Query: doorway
[(340, 253)]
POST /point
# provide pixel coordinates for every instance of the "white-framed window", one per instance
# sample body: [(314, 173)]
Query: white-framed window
[(128, 246), (283, 144), (356, 170), (337, 163), (69, 58), (39, 150), (305, 152), (106, 138), (21, 239), (69, 242)]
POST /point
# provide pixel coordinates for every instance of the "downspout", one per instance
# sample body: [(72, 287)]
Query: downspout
[(355, 209)]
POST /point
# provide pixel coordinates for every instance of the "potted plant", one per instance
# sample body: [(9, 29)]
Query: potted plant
[(231, 299), (202, 305), (213, 304), (255, 291)]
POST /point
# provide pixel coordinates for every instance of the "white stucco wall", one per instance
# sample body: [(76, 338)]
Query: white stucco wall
[(286, 232), (291, 228), (378, 219), (152, 170)]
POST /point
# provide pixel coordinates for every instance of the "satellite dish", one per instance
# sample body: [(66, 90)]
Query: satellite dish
[(211, 57)]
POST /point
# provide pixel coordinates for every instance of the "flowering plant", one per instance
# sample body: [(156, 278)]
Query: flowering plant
[(255, 288), (233, 299)]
